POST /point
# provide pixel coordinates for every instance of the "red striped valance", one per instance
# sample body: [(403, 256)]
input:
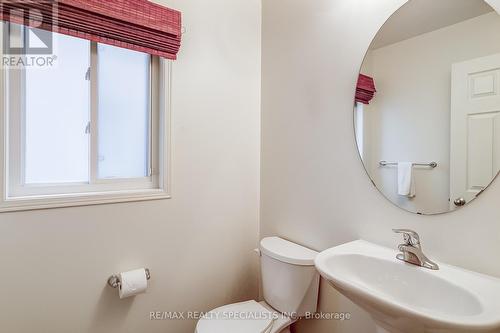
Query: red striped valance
[(365, 89), (139, 25)]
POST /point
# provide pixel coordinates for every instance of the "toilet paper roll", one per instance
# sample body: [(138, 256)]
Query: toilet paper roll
[(133, 283)]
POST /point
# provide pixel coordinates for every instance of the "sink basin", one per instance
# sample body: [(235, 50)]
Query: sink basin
[(404, 298)]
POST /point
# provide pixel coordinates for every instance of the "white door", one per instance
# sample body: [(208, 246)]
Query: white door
[(475, 127)]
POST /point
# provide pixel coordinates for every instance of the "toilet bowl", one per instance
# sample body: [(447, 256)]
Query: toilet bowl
[(290, 286), (245, 317)]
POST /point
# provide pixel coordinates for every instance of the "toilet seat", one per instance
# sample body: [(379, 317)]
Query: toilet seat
[(244, 317)]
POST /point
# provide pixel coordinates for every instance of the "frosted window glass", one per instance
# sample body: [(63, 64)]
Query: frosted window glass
[(57, 113), (124, 85)]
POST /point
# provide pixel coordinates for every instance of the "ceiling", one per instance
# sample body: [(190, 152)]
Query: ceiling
[(418, 17)]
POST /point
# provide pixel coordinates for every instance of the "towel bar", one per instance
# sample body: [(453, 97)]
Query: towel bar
[(431, 164)]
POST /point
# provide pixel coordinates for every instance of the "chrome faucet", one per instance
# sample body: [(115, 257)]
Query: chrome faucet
[(411, 250)]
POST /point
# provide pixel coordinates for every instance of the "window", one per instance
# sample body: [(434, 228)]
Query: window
[(91, 129), (359, 128)]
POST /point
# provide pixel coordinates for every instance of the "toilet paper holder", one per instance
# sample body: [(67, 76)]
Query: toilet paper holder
[(114, 280)]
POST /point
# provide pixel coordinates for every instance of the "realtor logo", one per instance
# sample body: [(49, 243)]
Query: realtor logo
[(34, 36)]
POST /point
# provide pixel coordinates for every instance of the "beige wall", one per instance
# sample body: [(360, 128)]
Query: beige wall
[(314, 188), (55, 263), (409, 119)]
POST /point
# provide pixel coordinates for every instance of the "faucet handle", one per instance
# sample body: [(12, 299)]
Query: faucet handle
[(410, 237)]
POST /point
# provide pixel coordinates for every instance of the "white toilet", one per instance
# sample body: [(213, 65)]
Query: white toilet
[(290, 286)]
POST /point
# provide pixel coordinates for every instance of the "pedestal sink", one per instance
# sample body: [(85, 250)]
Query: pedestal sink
[(404, 298)]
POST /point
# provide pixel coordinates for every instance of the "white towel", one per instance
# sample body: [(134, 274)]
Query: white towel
[(406, 182)]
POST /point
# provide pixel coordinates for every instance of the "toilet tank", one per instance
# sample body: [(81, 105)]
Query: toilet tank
[(290, 281)]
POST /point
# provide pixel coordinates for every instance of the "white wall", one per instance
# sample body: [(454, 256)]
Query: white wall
[(314, 188), (55, 263), (409, 119)]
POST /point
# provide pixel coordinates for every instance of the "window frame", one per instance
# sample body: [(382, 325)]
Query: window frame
[(16, 196)]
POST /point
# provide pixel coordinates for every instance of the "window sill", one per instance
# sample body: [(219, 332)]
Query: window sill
[(81, 199)]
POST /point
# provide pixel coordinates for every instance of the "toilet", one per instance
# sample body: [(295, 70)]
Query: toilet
[(290, 286)]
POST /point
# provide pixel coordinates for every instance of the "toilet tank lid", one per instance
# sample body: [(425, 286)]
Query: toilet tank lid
[(288, 252)]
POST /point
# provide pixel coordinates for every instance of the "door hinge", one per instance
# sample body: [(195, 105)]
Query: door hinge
[(87, 74), (87, 128)]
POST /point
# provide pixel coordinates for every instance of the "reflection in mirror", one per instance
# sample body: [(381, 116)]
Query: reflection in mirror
[(427, 112)]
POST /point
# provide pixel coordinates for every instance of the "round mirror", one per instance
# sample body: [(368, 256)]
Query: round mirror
[(427, 111)]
